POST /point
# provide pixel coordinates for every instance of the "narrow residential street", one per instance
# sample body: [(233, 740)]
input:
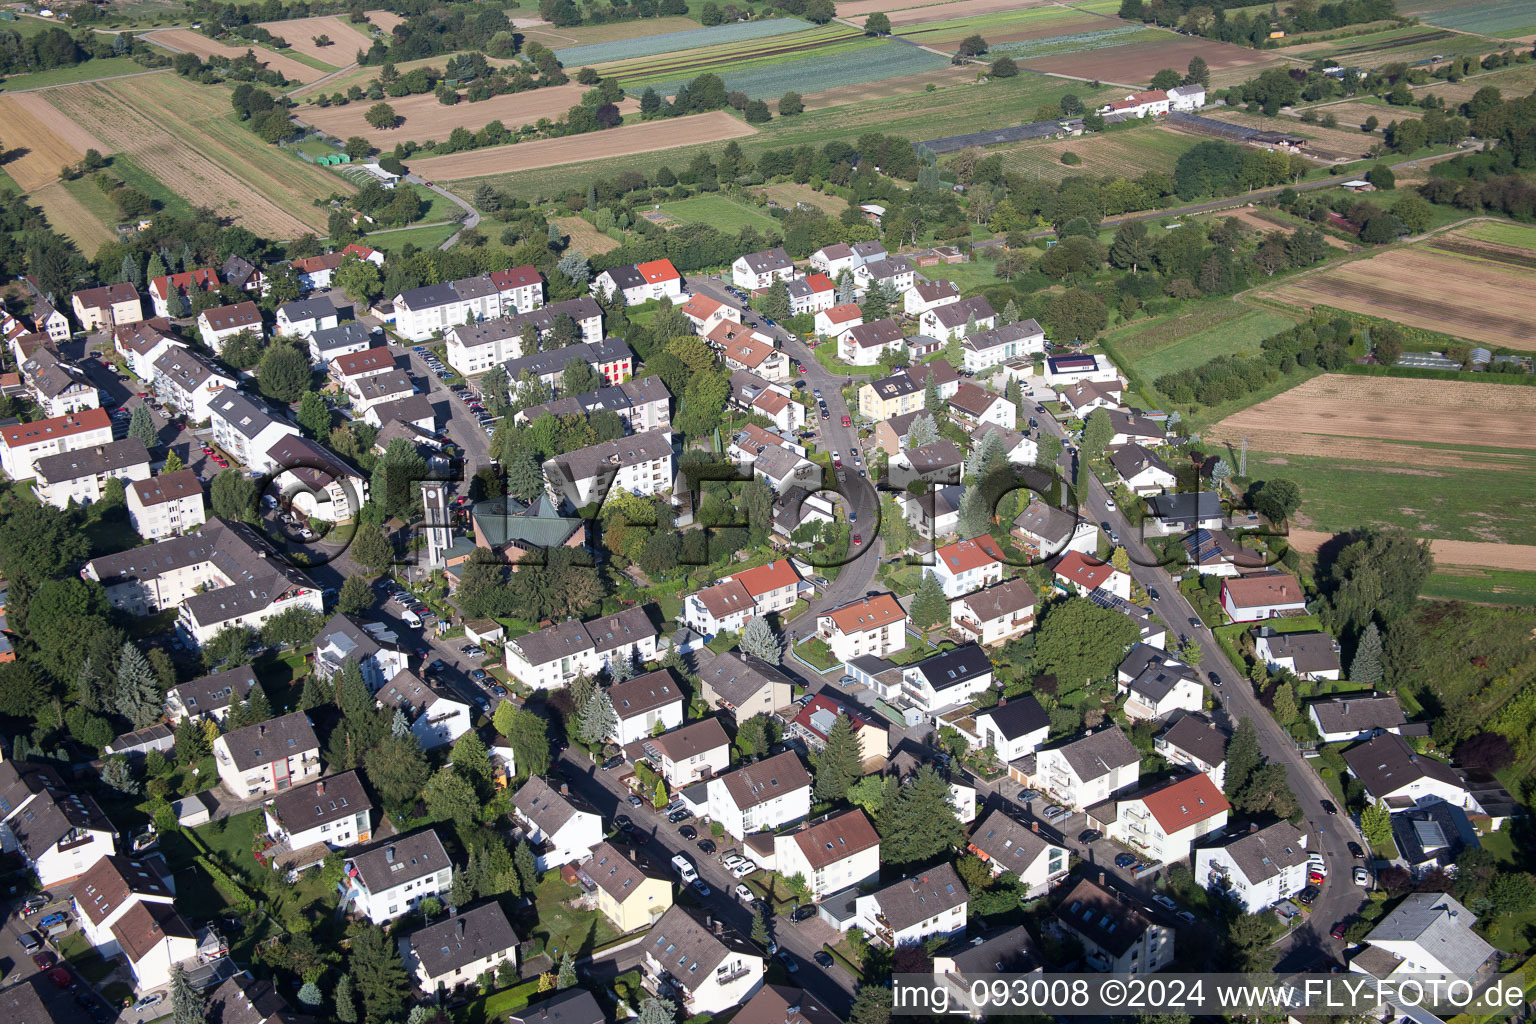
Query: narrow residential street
[(833, 985), (1340, 898)]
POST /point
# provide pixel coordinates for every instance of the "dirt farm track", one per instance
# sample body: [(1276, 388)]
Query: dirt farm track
[(1340, 415), (635, 138)]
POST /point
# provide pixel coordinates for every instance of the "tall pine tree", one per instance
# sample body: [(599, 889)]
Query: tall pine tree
[(1367, 666), (138, 688), (838, 763)]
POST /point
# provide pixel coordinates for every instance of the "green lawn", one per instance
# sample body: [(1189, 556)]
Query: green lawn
[(88, 195), (423, 238), (1489, 586), (1488, 498), (719, 212), (105, 67), (562, 928), (817, 653), (1169, 344)]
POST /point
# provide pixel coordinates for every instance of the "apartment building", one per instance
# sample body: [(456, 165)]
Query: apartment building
[(58, 387), (422, 312), (216, 326), (166, 505), (390, 878), (329, 814), (60, 834), (115, 305), (141, 343), (832, 853), (330, 343), (1257, 867), (640, 282), (739, 598), (1007, 845), (1164, 821), (999, 345), (642, 464), (703, 968), (269, 756), (182, 286), (644, 703), (757, 270), (561, 828), (762, 796), (610, 358), (110, 888), (245, 429), (437, 717), (1117, 937), (475, 348), (871, 625), (188, 381), (909, 912), (628, 893), (210, 696), (23, 444), (1089, 769), (454, 953), (686, 754), (967, 565), (81, 475), (644, 405), (314, 481), (742, 685), (553, 656), (995, 614)]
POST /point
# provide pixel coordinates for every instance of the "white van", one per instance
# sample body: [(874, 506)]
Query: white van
[(411, 618), (684, 868)]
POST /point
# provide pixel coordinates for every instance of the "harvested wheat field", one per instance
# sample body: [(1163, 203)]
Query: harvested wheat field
[(860, 8), (1452, 284), (1324, 415), (346, 38), (1138, 62), (51, 140), (616, 142), (385, 20), (178, 132), (585, 237), (1518, 557), (425, 118), (68, 216), (184, 40)]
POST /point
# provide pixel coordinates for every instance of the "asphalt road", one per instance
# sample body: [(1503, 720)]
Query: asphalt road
[(853, 579), (833, 985), (1340, 898)]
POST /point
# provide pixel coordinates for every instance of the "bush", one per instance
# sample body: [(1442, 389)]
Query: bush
[(1071, 159)]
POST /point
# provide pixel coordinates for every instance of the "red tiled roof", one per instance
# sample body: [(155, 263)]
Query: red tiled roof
[(19, 435), (1264, 589), (1185, 802), (516, 277), (844, 313), (701, 307), (867, 613), (1078, 568), (204, 278), (964, 555), (766, 578), (361, 362), (836, 838), (819, 283), (362, 252), (658, 270)]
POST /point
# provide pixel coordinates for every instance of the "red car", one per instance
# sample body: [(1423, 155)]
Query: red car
[(60, 977), (143, 394), (847, 422), (802, 365), (44, 960), (1338, 930), (857, 540)]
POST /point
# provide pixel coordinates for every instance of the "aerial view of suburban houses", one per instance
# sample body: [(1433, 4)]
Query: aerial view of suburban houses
[(695, 513)]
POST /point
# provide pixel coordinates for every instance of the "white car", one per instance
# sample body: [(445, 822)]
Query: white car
[(746, 895), (1316, 863), (730, 862), (1109, 503), (1362, 877), (744, 869)]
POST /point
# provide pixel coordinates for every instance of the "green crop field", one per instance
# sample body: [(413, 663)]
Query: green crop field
[(1521, 235), (1488, 586), (1125, 153), (950, 110), (724, 58), (719, 212), (1489, 499), (863, 61), (106, 67), (1495, 18), (672, 42), (1410, 43), (1154, 347)]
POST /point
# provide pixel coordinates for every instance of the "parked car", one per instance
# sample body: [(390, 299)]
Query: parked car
[(746, 895), (635, 801), (1026, 795), (678, 815), (1338, 930), (730, 860), (44, 960), (1091, 835), (623, 823), (706, 846), (36, 902), (1124, 860), (1362, 877), (701, 887), (789, 964), (744, 869), (1329, 807), (1355, 851), (1309, 894), (688, 832), (30, 941), (1055, 811), (803, 913), (822, 958), (52, 919), (612, 763), (1163, 900), (479, 675)]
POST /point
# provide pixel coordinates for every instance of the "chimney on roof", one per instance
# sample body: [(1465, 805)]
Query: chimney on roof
[(1253, 827), (460, 923), (1034, 826), (1211, 724), (1002, 702), (565, 789), (320, 787), (1101, 878)]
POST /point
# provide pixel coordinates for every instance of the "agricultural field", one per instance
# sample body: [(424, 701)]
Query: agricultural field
[(385, 20), (855, 9), (661, 70), (1457, 283), (719, 212), (1136, 63), (862, 62), (914, 15), (103, 67), (585, 238), (1125, 153), (184, 135), (1342, 142), (184, 40), (590, 35), (1409, 43), (67, 214), (1000, 28), (624, 141), (1352, 114), (422, 238), (346, 38), (789, 195), (423, 117), (1450, 460), (1152, 348), (886, 88), (672, 42), (51, 141), (1264, 221), (964, 107), (1519, 80), (1086, 39), (1505, 18)]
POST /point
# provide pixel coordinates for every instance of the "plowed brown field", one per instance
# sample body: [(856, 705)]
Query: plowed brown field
[(187, 41), (1521, 557), (425, 118), (346, 38), (627, 139), (1335, 414), (1474, 298), (386, 20), (1138, 62), (51, 140)]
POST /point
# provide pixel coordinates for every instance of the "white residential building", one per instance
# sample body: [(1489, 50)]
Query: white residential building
[(831, 853), (57, 386), (1258, 867), (562, 830), (81, 475), (153, 938), (455, 952), (209, 696), (342, 340), (23, 444), (1163, 823), (217, 326), (1008, 845), (1186, 98), (1195, 742), (246, 430), (895, 275), (925, 295), (1157, 685), (475, 348), (553, 656), (329, 814), (268, 757), (834, 259), (640, 282), (1310, 655), (687, 753), (1089, 769), (642, 464), (862, 345), (189, 381), (110, 888), (758, 270), (924, 906), (1428, 933), (944, 681), (344, 639), (704, 971), (437, 717), (1397, 778), (837, 320), (871, 625), (166, 505), (432, 309), (739, 598), (60, 834), (957, 318), (761, 797), (1117, 937), (810, 294), (644, 703), (996, 346), (141, 343), (390, 878), (1357, 717), (1014, 727), (302, 318)]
